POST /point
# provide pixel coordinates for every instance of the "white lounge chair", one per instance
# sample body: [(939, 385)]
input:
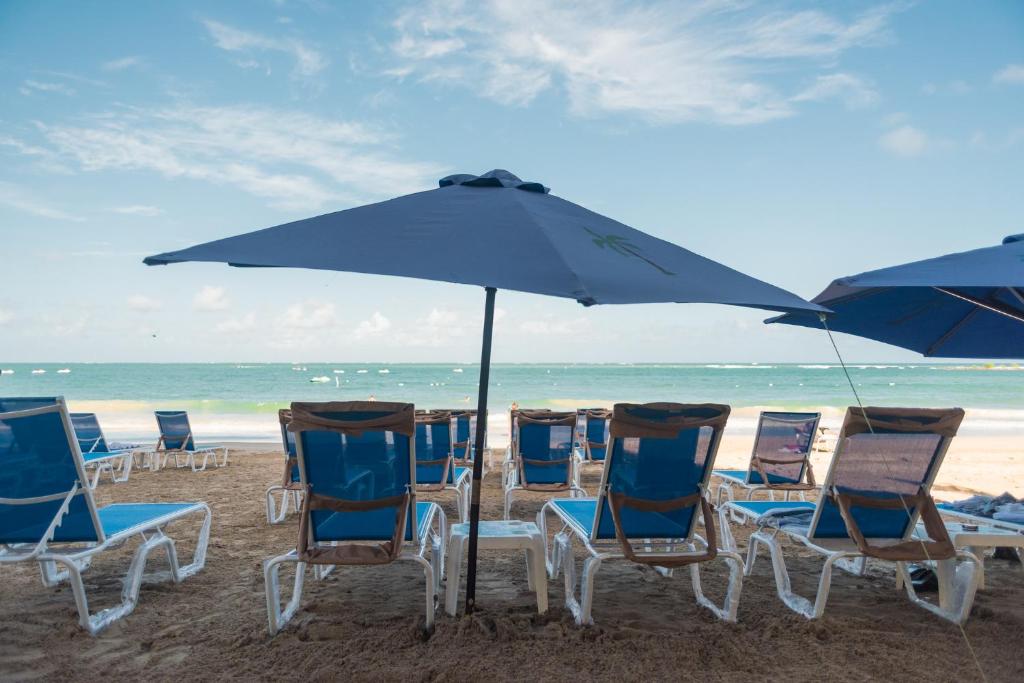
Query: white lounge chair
[(96, 452), (435, 461), (176, 441), (543, 458), (290, 488), (653, 485), (877, 489), (357, 463), (48, 515)]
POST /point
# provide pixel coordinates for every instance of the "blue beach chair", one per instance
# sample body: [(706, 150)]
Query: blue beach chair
[(435, 465), (176, 440), (96, 452), (464, 438), (290, 488), (357, 463), (595, 434), (877, 489), (48, 515), (780, 460), (653, 484), (544, 459)]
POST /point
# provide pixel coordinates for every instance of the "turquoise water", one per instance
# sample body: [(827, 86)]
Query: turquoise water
[(238, 400)]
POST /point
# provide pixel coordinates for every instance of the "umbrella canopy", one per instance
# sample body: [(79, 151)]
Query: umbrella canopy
[(496, 231), (964, 305)]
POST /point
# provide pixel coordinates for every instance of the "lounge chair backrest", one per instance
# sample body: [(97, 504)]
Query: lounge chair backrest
[(41, 472), (87, 431), (434, 465), (514, 423), (884, 454), (782, 444), (544, 448), (175, 430), (463, 433), (669, 466), (362, 454), (284, 416), (596, 432)]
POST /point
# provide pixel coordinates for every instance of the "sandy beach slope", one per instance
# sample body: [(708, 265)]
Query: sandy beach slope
[(365, 624)]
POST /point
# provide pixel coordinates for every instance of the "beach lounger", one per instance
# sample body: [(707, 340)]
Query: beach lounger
[(96, 452), (290, 489), (877, 488), (544, 460), (435, 465), (176, 440), (357, 463), (508, 464), (48, 514), (464, 438), (594, 430), (780, 460), (653, 485)]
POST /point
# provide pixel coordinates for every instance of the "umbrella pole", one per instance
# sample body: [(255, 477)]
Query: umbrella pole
[(478, 449)]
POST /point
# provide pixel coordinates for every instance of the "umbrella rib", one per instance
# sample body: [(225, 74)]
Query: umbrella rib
[(988, 306), (951, 331)]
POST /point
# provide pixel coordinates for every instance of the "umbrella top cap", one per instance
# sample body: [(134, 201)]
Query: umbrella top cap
[(499, 177), (1013, 238)]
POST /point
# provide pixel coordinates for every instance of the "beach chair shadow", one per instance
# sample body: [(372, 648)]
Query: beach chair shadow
[(877, 488), (357, 463), (48, 515), (653, 485)]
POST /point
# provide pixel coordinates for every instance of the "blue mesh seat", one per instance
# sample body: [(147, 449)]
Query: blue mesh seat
[(48, 514), (780, 460), (357, 466), (435, 463), (544, 455), (176, 441), (877, 489), (96, 452), (653, 492)]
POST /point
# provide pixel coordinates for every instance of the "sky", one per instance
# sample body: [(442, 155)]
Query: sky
[(796, 142)]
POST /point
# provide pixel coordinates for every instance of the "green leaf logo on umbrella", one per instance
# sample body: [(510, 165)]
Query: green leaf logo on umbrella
[(621, 245)]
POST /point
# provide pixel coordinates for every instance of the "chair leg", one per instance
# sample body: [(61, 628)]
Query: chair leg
[(126, 469), (274, 514), (958, 584), (783, 587), (276, 616), (732, 595), (508, 502)]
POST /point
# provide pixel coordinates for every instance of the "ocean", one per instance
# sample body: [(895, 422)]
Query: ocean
[(239, 401)]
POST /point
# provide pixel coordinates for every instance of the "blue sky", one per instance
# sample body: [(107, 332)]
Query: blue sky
[(792, 141)]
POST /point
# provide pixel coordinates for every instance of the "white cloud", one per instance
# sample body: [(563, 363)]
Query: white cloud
[(5, 316), (957, 87), (30, 86), (21, 199), (308, 61), (305, 325), (143, 304), (123, 63), (295, 160), (138, 210), (667, 62), (854, 91), (1012, 74), (310, 315), (905, 141), (375, 326), (555, 326), (210, 298), (243, 323)]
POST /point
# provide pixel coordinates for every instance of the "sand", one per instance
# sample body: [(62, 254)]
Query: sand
[(366, 623)]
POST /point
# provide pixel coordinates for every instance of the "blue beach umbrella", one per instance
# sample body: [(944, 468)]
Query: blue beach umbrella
[(964, 305), (543, 244)]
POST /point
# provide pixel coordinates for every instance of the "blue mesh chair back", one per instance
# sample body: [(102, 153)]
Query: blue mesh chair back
[(545, 449), (782, 446), (87, 431), (659, 468), (596, 433), (175, 430), (886, 454), (463, 434), (434, 467), (288, 442), (12, 404), (364, 465), (39, 460)]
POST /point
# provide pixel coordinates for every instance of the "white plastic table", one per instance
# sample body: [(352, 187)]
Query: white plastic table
[(503, 535), (977, 540)]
